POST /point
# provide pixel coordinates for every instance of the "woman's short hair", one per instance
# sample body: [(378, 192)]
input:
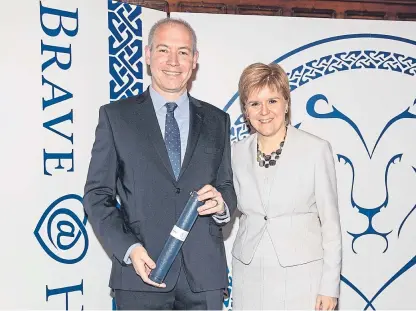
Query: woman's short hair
[(258, 76)]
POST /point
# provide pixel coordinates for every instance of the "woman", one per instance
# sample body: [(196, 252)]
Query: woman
[(287, 254)]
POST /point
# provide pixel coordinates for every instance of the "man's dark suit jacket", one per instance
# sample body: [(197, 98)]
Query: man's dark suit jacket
[(129, 160)]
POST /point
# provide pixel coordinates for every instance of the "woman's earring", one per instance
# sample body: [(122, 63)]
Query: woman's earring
[(246, 117), (247, 122)]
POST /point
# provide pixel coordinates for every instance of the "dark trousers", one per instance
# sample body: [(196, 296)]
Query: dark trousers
[(180, 298)]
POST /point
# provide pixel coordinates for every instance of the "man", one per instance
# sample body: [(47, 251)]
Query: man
[(151, 151)]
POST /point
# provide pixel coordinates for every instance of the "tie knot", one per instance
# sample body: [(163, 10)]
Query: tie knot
[(170, 107)]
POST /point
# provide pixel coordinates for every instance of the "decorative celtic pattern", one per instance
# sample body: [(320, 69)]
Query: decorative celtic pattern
[(344, 61), (228, 299), (239, 130), (125, 50), (329, 64), (351, 61)]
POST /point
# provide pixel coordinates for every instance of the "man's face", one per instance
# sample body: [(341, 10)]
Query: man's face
[(171, 59)]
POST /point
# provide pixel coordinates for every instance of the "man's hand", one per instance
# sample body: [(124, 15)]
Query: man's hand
[(143, 265), (325, 303), (214, 203)]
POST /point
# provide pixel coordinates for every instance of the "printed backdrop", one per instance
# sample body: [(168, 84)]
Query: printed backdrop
[(353, 83), (60, 61)]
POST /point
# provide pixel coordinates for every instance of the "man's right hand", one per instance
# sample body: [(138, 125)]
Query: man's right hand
[(143, 265)]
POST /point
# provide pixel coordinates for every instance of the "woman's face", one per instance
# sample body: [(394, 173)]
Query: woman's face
[(266, 110)]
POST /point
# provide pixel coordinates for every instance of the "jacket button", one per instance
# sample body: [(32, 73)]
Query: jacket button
[(178, 190), (265, 217)]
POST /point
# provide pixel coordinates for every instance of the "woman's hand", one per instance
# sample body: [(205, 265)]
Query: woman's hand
[(325, 303)]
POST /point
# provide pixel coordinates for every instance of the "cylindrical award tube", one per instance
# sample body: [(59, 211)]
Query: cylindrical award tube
[(176, 238)]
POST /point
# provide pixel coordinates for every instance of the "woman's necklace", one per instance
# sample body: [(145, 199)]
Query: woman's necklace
[(267, 160)]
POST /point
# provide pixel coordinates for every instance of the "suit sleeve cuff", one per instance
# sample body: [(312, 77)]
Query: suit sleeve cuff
[(224, 217), (126, 258)]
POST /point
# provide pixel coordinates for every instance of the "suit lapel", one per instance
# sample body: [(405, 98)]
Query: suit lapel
[(148, 124), (252, 167), (267, 197), (195, 123), (282, 165)]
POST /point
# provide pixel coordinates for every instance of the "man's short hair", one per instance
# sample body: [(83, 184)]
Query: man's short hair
[(174, 21)]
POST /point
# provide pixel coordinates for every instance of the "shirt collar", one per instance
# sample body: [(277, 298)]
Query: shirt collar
[(159, 101)]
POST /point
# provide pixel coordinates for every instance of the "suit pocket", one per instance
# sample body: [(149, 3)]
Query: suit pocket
[(215, 230), (297, 238), (211, 150)]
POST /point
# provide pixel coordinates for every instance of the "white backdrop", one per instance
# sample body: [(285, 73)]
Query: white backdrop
[(361, 100), (46, 249), (353, 83)]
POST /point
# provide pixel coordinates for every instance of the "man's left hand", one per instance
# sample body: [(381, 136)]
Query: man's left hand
[(214, 203)]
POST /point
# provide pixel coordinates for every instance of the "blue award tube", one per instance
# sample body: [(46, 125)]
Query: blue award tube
[(176, 238)]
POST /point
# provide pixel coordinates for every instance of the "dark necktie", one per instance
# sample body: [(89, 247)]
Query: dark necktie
[(173, 138)]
